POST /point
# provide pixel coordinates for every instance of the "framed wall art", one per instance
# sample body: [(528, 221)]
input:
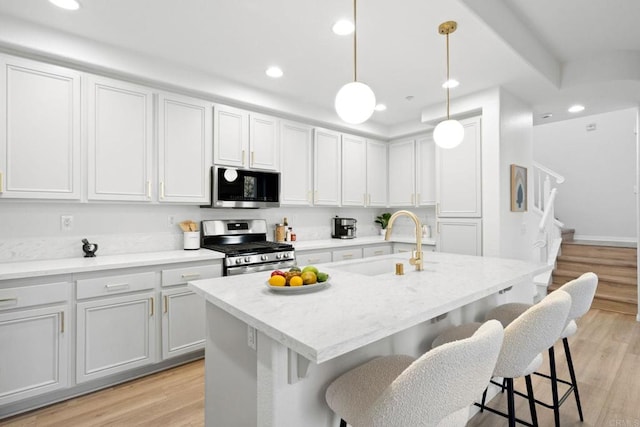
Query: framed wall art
[(518, 188)]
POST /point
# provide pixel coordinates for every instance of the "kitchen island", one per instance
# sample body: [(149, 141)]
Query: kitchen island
[(269, 356)]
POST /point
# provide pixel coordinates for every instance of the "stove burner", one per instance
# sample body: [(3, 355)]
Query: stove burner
[(250, 248)]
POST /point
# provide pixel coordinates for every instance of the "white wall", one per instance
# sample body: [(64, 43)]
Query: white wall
[(597, 199)]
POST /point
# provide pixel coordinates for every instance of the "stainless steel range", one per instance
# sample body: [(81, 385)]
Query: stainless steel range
[(244, 242)]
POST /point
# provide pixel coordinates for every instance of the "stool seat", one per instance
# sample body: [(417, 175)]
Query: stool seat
[(507, 313), (456, 333)]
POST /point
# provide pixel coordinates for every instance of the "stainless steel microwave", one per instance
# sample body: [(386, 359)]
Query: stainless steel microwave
[(244, 188)]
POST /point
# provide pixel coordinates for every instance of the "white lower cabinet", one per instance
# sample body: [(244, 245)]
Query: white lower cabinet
[(312, 257), (34, 337), (118, 332), (369, 251), (346, 254), (460, 235), (183, 311)]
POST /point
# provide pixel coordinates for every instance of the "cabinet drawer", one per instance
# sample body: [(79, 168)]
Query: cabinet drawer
[(180, 276), (113, 285), (376, 250), (347, 254), (312, 258), (34, 295)]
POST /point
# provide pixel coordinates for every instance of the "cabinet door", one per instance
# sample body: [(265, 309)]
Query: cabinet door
[(39, 130), (120, 138), (426, 171), (263, 142), (402, 175), (460, 236), (354, 170), (230, 136), (184, 149), (326, 168), (296, 164), (34, 352), (346, 254), (369, 251), (183, 322), (312, 258), (459, 189), (115, 335), (377, 176)]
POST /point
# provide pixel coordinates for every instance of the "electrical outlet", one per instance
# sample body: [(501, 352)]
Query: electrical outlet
[(66, 222), (171, 221), (251, 337)]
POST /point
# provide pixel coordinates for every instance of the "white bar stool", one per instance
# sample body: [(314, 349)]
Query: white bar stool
[(582, 291), (524, 340), (435, 389)]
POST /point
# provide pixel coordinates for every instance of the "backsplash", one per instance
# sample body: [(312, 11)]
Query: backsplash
[(32, 231)]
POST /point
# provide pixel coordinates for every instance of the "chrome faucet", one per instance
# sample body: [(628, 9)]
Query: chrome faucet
[(416, 258)]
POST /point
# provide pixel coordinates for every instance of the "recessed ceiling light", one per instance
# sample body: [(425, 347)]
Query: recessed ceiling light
[(409, 97), (274, 72), (576, 108), (380, 107), (66, 4), (343, 27), (451, 83)]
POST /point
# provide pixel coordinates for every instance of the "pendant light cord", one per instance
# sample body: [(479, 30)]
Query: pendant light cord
[(355, 44), (448, 82)]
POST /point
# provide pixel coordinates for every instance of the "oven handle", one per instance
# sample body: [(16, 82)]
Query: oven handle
[(246, 269)]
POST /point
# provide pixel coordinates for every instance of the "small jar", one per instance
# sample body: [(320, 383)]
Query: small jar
[(280, 233)]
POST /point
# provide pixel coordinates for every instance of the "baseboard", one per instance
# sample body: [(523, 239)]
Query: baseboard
[(606, 240)]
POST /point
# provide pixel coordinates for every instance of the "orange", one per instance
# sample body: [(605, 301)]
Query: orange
[(277, 280), (295, 281)]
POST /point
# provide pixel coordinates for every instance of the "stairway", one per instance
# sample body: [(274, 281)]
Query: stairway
[(615, 266)]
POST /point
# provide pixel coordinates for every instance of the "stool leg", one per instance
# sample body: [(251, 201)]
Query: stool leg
[(554, 386), (567, 352), (532, 401), (484, 399), (343, 423), (510, 403)]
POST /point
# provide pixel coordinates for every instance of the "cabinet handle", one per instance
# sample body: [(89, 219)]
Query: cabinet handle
[(152, 308), (418, 200), (162, 189), (253, 158), (9, 301), (364, 199), (315, 197), (313, 260), (166, 304), (148, 189), (413, 196), (378, 252), (1, 183), (117, 286), (310, 196), (438, 208), (347, 256), (369, 199), (242, 157), (188, 276), (62, 322)]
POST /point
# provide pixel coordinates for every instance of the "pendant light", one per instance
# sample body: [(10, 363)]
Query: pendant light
[(449, 133), (355, 101)]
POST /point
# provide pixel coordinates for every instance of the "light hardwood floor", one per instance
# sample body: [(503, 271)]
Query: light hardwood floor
[(606, 352)]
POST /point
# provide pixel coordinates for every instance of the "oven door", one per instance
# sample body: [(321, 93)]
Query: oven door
[(269, 266)]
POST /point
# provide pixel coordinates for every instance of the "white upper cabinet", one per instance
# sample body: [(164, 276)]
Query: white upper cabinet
[(326, 167), (402, 175), (459, 179), (120, 137), (354, 171), (245, 140), (296, 154), (39, 130), (426, 171), (184, 149), (377, 176)]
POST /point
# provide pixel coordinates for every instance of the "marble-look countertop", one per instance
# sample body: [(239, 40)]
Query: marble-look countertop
[(25, 269), (358, 241), (355, 309)]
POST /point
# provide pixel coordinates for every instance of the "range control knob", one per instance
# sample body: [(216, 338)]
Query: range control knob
[(247, 259), (238, 261), (264, 257), (285, 255), (278, 256)]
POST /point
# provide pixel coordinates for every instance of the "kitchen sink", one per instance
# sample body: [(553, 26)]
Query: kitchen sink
[(377, 267)]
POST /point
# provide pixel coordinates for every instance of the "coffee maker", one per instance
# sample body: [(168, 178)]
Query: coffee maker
[(343, 228)]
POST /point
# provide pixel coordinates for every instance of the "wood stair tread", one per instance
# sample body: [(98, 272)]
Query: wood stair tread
[(632, 263), (570, 275)]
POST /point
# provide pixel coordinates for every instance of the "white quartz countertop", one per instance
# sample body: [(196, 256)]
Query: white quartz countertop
[(25, 269), (358, 241), (355, 309)]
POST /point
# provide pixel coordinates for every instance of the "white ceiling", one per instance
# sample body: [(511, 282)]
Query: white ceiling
[(549, 53)]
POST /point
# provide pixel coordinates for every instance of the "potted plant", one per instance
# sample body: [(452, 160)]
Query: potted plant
[(383, 220)]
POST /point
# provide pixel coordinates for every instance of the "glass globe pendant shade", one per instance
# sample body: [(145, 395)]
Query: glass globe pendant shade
[(355, 103), (448, 133)]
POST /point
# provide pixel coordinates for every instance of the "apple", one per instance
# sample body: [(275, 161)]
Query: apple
[(277, 273)]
